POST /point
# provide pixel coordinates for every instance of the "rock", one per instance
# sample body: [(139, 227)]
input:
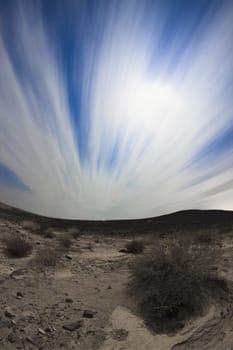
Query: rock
[(12, 338), (9, 313), (68, 256), (119, 334), (123, 250), (49, 329), (109, 287), (5, 324), (41, 331), (27, 315), (19, 295), (69, 300), (88, 313), (18, 274), (37, 341), (73, 326)]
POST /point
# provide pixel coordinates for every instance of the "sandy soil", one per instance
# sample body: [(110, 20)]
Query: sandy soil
[(87, 290)]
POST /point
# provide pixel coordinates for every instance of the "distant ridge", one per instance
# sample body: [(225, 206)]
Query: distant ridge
[(185, 219)]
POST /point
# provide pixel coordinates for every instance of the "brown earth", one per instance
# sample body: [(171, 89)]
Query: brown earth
[(87, 290)]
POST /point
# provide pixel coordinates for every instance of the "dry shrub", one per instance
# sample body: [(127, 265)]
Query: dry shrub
[(135, 247), (74, 232), (46, 257), (172, 283), (17, 246), (65, 240), (30, 225), (49, 233)]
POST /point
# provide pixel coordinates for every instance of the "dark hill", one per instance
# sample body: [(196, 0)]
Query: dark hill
[(181, 220)]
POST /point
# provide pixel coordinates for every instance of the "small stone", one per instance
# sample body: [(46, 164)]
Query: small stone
[(12, 338), (18, 274), (88, 314), (41, 331), (19, 295), (109, 287), (119, 334), (69, 300), (35, 341), (9, 313), (49, 329), (69, 257), (27, 315), (123, 250), (73, 326)]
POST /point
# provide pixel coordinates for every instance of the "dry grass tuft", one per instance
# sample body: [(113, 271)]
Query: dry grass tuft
[(17, 247), (135, 247), (65, 240), (74, 232), (46, 257), (173, 282)]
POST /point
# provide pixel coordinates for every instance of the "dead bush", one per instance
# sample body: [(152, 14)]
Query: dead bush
[(46, 257), (49, 233), (30, 225), (65, 240), (74, 232), (135, 247), (172, 283), (17, 246)]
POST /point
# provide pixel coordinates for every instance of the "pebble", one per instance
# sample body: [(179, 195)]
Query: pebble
[(69, 257), (41, 331), (73, 326), (12, 338), (9, 313), (88, 313), (69, 300)]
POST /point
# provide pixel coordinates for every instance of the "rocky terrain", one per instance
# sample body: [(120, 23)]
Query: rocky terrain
[(82, 302)]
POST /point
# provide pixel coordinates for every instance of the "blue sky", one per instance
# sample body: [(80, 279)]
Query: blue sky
[(113, 109)]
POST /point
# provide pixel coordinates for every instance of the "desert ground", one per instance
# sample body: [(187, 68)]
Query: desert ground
[(81, 301)]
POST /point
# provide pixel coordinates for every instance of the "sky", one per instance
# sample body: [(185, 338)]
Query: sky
[(116, 109)]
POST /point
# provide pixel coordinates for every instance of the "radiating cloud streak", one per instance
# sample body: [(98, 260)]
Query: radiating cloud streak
[(116, 109)]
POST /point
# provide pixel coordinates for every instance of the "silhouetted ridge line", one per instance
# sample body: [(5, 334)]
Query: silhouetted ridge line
[(186, 219)]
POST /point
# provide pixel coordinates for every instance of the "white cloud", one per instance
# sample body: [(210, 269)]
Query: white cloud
[(157, 122)]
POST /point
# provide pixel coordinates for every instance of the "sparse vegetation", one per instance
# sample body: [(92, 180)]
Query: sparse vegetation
[(49, 233), (30, 225), (46, 257), (207, 236), (65, 240), (135, 247), (74, 232), (17, 246), (171, 284), (204, 238)]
